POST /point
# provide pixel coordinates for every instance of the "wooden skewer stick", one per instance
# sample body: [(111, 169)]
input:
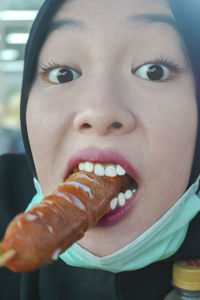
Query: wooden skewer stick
[(4, 257)]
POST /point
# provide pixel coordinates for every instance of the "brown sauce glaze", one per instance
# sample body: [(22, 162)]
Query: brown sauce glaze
[(49, 228)]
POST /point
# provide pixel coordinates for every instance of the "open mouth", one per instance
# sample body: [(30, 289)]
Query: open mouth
[(112, 170), (108, 163)]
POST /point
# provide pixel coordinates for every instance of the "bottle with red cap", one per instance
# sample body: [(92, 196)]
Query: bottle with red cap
[(186, 280)]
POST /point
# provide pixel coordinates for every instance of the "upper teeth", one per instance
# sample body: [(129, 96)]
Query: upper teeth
[(110, 170)]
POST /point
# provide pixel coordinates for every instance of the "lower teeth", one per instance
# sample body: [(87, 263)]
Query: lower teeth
[(121, 199)]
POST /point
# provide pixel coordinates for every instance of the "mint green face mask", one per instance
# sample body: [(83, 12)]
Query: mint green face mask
[(159, 242)]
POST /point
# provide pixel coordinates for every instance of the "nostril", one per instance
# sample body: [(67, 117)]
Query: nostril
[(100, 126), (117, 125)]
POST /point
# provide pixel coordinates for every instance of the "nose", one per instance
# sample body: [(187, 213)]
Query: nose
[(104, 117)]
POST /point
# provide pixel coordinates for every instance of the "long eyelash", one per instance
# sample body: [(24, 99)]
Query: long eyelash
[(51, 65), (162, 60)]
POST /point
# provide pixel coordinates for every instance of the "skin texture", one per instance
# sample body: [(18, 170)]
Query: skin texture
[(158, 119)]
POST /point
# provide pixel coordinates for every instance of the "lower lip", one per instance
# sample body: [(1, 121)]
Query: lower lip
[(114, 217)]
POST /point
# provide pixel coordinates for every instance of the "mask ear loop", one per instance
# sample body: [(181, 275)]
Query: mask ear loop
[(198, 183), (37, 186), (38, 196)]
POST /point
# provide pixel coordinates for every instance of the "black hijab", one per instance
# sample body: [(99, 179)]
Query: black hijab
[(185, 23)]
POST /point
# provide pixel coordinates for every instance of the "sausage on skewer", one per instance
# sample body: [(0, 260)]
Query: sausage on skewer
[(38, 236)]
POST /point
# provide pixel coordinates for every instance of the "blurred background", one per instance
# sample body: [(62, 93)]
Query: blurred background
[(16, 17)]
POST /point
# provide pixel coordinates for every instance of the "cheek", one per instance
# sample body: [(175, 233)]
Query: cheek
[(42, 128), (48, 116), (171, 136), (45, 124)]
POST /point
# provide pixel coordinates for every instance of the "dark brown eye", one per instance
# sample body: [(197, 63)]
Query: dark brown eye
[(63, 75), (153, 72)]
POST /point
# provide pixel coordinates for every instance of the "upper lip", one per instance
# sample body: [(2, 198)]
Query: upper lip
[(101, 156)]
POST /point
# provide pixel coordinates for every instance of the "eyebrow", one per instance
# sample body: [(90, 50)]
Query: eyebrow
[(73, 24), (154, 18)]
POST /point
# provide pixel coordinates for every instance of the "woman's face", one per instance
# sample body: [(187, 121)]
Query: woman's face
[(113, 79)]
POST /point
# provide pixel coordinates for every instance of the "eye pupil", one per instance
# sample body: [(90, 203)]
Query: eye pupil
[(65, 76), (155, 72)]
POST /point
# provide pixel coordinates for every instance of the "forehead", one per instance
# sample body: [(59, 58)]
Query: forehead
[(107, 9), (94, 15), (113, 23)]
